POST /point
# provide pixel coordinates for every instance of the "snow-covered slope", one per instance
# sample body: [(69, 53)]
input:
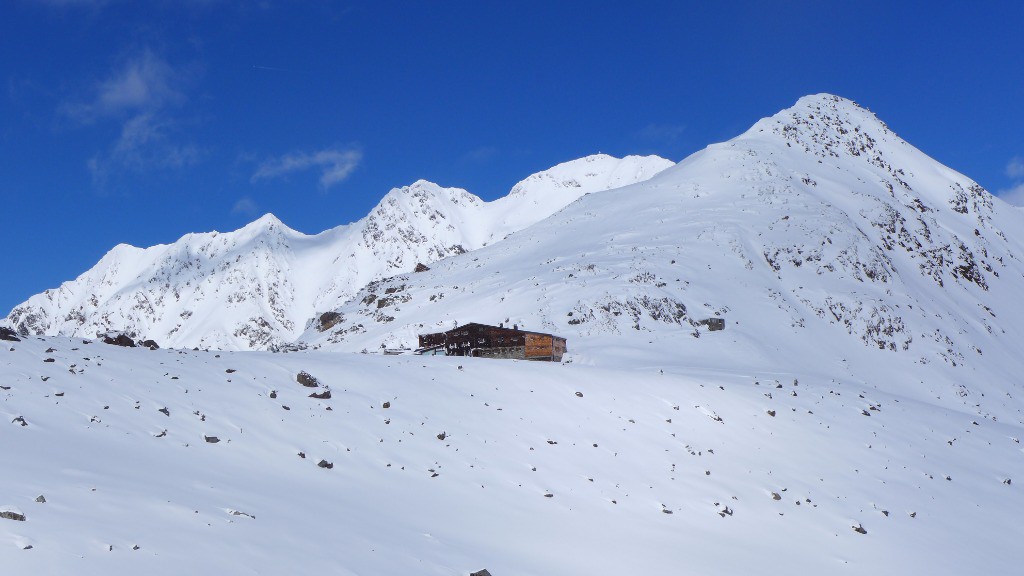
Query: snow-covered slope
[(130, 461), (818, 234), (258, 287), (860, 414)]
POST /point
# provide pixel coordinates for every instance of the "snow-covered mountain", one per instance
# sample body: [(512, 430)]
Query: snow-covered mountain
[(258, 287), (860, 414), (818, 234)]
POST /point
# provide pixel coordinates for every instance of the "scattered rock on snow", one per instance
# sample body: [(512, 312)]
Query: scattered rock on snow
[(859, 529), (20, 420), (41, 499), (326, 394), (119, 340), (325, 464), (211, 439), (483, 572), (12, 514), (307, 379)]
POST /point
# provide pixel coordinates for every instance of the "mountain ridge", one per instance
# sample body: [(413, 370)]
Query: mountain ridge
[(819, 218), (258, 286)]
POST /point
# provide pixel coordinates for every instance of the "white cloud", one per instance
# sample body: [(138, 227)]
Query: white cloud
[(142, 145), (661, 132), (245, 205), (334, 164), (482, 155), (71, 3), (143, 83), (141, 94), (1013, 195), (1015, 167)]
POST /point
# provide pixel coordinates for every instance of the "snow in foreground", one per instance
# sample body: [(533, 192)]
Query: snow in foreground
[(605, 465)]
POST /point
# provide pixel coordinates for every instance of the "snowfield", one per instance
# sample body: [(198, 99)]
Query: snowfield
[(517, 467), (861, 413)]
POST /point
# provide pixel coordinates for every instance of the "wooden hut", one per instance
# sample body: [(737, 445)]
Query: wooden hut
[(484, 341)]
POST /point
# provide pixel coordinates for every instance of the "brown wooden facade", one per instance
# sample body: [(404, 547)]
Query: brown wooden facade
[(482, 340)]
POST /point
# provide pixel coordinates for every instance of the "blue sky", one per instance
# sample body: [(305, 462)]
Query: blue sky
[(138, 121)]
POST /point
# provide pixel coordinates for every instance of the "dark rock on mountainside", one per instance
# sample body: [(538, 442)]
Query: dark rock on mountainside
[(307, 379), (328, 320), (9, 335), (119, 340)]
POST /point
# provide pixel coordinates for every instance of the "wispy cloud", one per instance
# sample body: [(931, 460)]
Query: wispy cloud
[(1013, 195), (1015, 167), (334, 164), (661, 132), (246, 206), (141, 84), (141, 94), (142, 145), (71, 3), (481, 155)]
